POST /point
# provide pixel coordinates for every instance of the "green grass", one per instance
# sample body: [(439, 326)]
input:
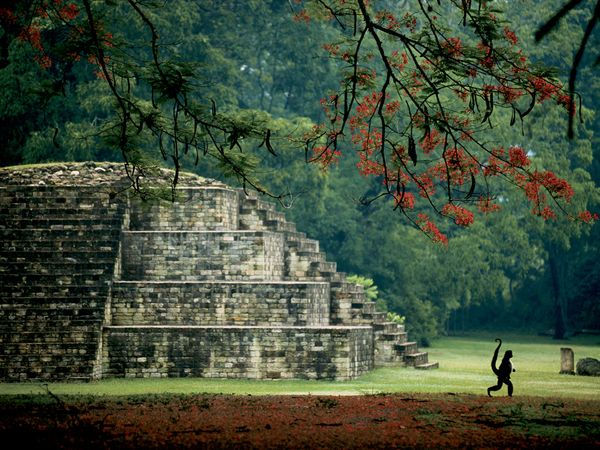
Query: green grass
[(464, 367)]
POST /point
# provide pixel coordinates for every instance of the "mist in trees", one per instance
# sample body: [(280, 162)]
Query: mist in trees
[(259, 77)]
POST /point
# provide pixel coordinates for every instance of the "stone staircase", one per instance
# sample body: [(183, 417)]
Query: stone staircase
[(58, 250), (217, 284), (349, 305)]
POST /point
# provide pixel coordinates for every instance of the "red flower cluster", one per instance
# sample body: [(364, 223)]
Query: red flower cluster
[(453, 47), (457, 167), (302, 16), (509, 93), (430, 141), (517, 157), (462, 216), (557, 187), (404, 200), (485, 205), (544, 88), (510, 36), (430, 229), (588, 217), (326, 156)]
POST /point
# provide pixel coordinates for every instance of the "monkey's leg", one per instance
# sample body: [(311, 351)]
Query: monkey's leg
[(495, 388), (510, 387)]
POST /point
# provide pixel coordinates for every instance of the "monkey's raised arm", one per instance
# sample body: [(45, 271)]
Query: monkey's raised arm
[(495, 357)]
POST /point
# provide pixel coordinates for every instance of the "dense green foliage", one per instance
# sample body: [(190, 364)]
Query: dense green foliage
[(508, 270)]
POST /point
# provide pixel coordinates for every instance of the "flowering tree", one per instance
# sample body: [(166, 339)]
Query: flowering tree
[(416, 97)]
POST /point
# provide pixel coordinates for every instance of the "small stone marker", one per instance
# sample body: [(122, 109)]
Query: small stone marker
[(567, 361)]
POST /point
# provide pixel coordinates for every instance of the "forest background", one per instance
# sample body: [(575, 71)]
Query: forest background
[(509, 270)]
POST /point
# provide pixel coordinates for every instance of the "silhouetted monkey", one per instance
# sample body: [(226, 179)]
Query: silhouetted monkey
[(503, 372)]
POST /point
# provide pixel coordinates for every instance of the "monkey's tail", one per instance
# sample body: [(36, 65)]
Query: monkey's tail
[(495, 357)]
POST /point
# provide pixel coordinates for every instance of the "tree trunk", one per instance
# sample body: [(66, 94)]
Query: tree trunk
[(560, 325)]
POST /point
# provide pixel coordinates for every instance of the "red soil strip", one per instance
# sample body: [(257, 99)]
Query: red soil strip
[(376, 421)]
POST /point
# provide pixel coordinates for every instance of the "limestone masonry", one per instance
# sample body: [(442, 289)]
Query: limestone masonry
[(96, 283)]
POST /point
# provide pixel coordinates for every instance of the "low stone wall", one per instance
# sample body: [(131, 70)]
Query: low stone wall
[(339, 353), (220, 303), (216, 255), (196, 209)]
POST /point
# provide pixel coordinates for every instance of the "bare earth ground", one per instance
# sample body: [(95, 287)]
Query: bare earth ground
[(225, 421)]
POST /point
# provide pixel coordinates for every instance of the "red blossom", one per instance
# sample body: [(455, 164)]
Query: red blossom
[(510, 36), (518, 157), (566, 101), (544, 88), (547, 213), (302, 16), (453, 46), (431, 141), (326, 155), (387, 19), (457, 165), (510, 94), (398, 60), (429, 228), (69, 12), (405, 200), (462, 216), (331, 49), (587, 216), (485, 205)]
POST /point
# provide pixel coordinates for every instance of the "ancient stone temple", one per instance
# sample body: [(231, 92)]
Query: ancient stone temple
[(96, 283)]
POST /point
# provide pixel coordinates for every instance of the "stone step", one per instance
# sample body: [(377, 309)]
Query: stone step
[(65, 247), (52, 349), (366, 308), (58, 302), (294, 235), (299, 245), (41, 234), (61, 265), (68, 211), (345, 286), (37, 189), (379, 318), (280, 225), (31, 320), (61, 223), (194, 210), (51, 197), (52, 333), (213, 255), (396, 337), (262, 205), (255, 206), (275, 215), (428, 366), (238, 352), (386, 327), (102, 255), (32, 279), (220, 303), (406, 348), (51, 290), (337, 277), (416, 359)]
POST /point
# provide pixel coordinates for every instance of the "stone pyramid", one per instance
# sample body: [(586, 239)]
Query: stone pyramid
[(96, 283)]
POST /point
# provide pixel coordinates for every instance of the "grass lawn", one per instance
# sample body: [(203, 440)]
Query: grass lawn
[(464, 368)]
